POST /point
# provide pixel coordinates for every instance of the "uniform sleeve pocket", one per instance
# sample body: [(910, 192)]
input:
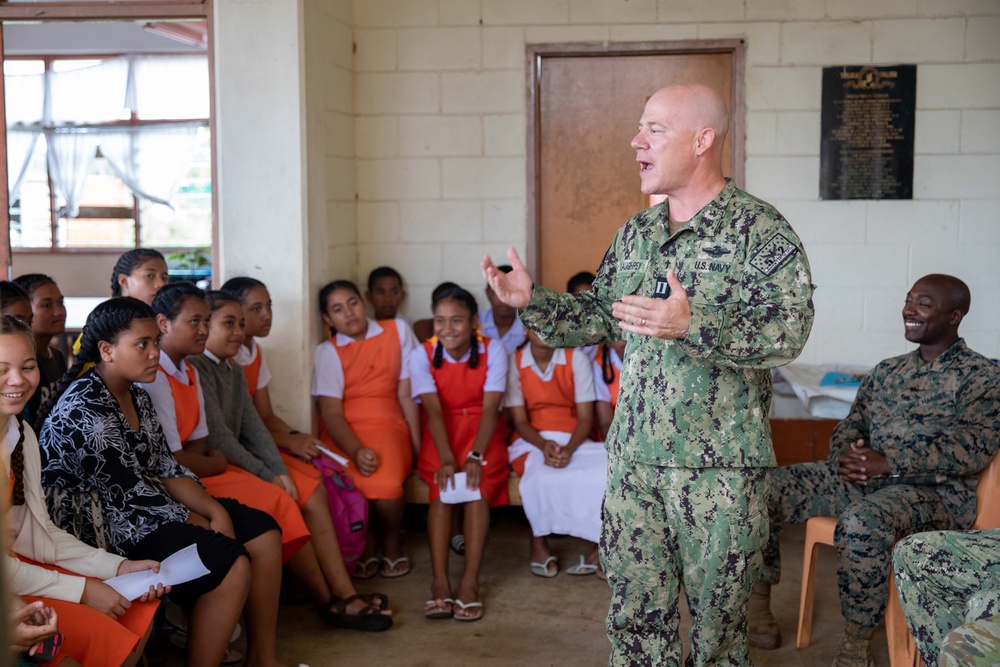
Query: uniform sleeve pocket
[(751, 534)]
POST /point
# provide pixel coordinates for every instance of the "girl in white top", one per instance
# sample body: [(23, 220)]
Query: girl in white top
[(550, 393)]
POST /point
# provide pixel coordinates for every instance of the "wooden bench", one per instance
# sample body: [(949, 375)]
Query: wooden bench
[(417, 491)]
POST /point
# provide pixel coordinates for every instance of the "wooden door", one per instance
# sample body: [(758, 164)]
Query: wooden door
[(584, 111)]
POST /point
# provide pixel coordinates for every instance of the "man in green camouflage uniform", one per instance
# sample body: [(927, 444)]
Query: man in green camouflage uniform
[(949, 584), (932, 419), (710, 289)]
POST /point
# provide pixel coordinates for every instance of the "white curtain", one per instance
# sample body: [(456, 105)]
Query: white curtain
[(169, 87), (150, 160), (20, 145), (94, 94), (24, 95), (70, 153)]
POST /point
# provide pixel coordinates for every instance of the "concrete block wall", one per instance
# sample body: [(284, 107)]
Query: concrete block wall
[(440, 122)]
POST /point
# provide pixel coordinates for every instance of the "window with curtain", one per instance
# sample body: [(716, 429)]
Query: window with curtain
[(109, 152)]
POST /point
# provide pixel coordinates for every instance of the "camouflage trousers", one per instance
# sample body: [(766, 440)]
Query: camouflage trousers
[(869, 522), (949, 584), (664, 528)]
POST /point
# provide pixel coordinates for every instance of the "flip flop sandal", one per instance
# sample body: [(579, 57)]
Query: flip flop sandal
[(368, 619), (388, 567), (366, 569), (542, 569), (232, 656), (458, 544), (583, 568), (469, 605), (434, 609)]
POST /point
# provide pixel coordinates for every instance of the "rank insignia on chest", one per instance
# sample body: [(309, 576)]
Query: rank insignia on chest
[(773, 254), (662, 290)]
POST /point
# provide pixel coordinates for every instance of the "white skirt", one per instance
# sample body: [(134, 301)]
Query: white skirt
[(565, 501)]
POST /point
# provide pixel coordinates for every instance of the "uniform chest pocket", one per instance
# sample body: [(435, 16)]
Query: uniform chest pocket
[(628, 283)]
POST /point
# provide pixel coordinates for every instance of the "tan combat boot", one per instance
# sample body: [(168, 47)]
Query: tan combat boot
[(855, 647), (762, 628)]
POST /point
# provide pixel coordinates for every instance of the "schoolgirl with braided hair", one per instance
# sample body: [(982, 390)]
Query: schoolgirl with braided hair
[(459, 377), (139, 273), (110, 480), (85, 607)]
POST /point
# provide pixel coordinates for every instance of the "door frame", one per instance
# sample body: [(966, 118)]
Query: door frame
[(536, 53)]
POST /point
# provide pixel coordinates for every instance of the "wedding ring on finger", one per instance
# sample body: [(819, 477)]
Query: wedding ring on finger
[(644, 321)]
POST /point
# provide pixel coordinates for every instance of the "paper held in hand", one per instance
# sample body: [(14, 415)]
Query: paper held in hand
[(178, 568), (332, 455), (460, 494)]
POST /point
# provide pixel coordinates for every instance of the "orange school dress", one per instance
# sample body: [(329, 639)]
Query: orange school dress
[(551, 406), (237, 483), (460, 391), (371, 407), (90, 637), (252, 370)]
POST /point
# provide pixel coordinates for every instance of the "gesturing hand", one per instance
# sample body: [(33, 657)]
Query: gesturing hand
[(513, 288)]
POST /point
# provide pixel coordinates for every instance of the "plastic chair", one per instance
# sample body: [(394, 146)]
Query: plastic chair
[(819, 530), (902, 649)]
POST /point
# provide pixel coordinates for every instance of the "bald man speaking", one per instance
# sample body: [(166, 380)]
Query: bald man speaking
[(710, 290)]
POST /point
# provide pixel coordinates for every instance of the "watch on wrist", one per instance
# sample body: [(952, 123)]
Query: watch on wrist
[(474, 456)]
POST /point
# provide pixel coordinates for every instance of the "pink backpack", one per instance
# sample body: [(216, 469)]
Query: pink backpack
[(348, 510)]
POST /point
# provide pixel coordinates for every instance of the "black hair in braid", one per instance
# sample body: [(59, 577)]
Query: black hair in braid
[(29, 282), (170, 299), (240, 285), (332, 287), (105, 323), (462, 296), (10, 325), (607, 368), (129, 262)]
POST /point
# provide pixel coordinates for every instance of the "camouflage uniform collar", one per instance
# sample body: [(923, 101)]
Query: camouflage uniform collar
[(944, 360), (707, 223)]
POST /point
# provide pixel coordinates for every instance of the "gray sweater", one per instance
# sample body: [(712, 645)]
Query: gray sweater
[(234, 427)]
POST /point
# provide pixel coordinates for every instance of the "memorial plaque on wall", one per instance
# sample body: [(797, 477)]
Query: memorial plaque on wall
[(867, 132)]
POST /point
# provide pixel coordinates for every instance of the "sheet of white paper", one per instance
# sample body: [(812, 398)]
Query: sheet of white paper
[(332, 455), (459, 494), (178, 568)]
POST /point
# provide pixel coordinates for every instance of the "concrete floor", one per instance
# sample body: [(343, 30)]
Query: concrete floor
[(529, 620)]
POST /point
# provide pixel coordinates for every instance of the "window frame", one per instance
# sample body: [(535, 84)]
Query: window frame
[(69, 10)]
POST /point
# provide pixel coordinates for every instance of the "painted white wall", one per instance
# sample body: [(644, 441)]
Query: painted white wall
[(261, 139), (440, 141)]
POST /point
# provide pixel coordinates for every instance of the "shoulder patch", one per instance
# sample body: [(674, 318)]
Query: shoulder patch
[(775, 252)]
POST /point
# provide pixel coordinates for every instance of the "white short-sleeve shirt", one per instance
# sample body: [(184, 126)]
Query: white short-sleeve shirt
[(422, 381), (583, 376), (328, 372), (163, 401), (510, 340)]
